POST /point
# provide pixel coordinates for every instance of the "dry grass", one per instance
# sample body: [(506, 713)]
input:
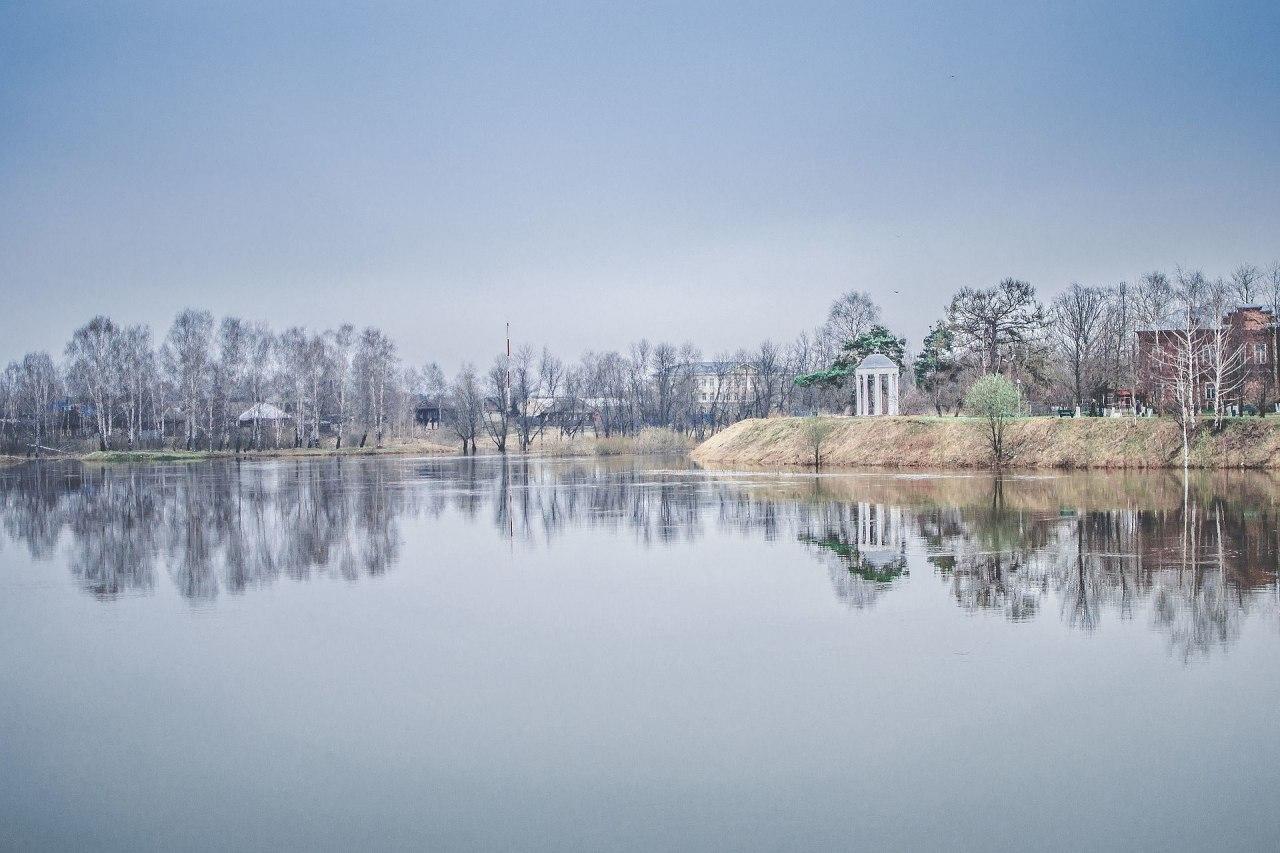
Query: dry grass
[(930, 442), (651, 440)]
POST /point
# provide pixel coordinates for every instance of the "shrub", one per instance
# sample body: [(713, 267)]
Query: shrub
[(995, 400)]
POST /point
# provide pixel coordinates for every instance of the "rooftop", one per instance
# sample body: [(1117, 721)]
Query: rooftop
[(877, 360)]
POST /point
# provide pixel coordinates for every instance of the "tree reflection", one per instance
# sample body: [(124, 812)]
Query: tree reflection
[(1191, 559), (210, 528)]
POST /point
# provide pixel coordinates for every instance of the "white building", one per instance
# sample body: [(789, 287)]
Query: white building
[(721, 384), (877, 390)]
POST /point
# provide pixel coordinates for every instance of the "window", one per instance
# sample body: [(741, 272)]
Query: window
[(1259, 353)]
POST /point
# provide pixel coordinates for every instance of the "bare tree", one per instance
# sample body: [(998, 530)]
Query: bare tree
[(39, 388), (1273, 299), (1077, 325), (228, 374), (291, 379), (1119, 338), (319, 365), (11, 402), (1223, 356), (342, 351), (497, 420), (260, 348), (999, 329), (1246, 285), (375, 366), (851, 315), (466, 407), (1155, 310), (523, 392), (1177, 354), (766, 367), (138, 370), (95, 354), (815, 432), (187, 360)]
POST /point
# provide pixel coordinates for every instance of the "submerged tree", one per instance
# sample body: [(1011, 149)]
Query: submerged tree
[(815, 433)]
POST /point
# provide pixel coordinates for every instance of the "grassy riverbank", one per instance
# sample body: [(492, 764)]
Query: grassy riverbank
[(929, 442)]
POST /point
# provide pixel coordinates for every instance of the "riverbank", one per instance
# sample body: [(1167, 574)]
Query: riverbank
[(646, 442), (116, 456), (931, 442)]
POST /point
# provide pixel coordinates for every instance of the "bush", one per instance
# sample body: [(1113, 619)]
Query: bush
[(995, 400)]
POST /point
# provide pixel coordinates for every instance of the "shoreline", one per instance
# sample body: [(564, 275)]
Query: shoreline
[(927, 442), (108, 457), (646, 442)]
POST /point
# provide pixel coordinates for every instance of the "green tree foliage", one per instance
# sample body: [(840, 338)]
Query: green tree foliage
[(876, 339), (937, 368), (994, 399)]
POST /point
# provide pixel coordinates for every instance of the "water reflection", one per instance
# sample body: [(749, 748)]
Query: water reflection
[(1194, 560), (864, 546)]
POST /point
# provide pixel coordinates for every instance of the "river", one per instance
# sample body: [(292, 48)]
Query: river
[(445, 653)]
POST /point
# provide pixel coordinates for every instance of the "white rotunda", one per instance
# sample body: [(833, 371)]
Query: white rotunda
[(877, 378)]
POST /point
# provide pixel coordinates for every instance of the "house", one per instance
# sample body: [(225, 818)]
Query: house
[(1250, 334), (265, 414), (428, 412), (720, 385)]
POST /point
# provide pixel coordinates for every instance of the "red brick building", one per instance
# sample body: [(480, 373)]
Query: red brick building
[(1250, 329)]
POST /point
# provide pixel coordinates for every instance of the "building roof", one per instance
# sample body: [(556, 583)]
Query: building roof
[(876, 360), (713, 367), (264, 412)]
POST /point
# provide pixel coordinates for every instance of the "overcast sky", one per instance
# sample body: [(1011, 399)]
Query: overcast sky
[(598, 173)]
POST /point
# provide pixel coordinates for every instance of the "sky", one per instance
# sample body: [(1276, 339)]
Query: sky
[(596, 173)]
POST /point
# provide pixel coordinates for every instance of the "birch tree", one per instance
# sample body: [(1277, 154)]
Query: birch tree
[(342, 351), (187, 361), (1178, 355), (1224, 357), (227, 375), (94, 353), (138, 371), (39, 388), (853, 314), (259, 344), (374, 367)]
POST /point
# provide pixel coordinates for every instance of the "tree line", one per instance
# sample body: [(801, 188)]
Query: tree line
[(118, 385), (1076, 350), (124, 388)]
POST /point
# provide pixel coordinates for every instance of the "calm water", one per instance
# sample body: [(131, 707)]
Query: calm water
[(631, 654)]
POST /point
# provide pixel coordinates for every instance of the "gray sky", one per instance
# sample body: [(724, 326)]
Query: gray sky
[(596, 174)]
